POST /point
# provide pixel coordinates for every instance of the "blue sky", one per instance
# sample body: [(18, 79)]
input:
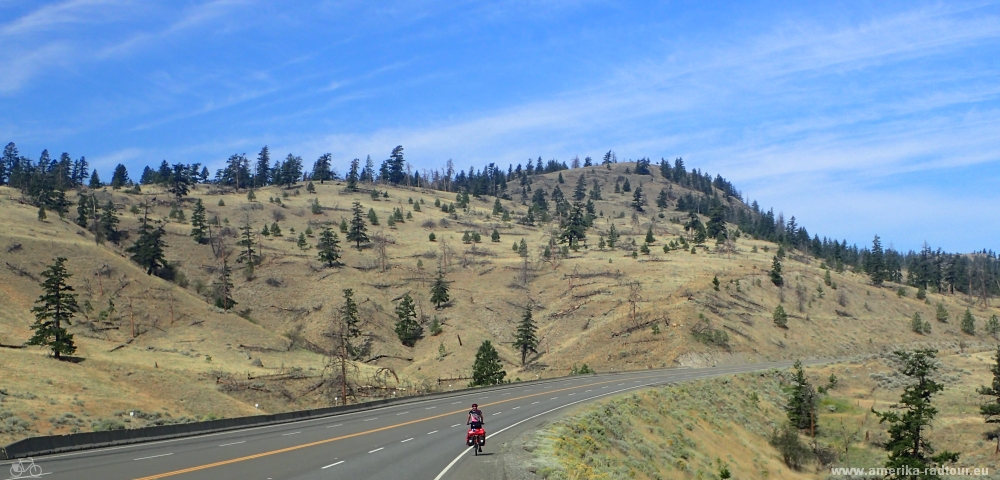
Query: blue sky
[(856, 117)]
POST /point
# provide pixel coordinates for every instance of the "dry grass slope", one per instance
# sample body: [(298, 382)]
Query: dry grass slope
[(194, 360)]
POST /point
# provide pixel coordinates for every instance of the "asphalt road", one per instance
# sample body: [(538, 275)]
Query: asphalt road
[(416, 440)]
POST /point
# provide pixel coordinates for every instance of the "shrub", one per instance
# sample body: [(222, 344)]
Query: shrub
[(786, 440)]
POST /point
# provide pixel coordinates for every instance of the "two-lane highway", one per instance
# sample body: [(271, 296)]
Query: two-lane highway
[(418, 439)]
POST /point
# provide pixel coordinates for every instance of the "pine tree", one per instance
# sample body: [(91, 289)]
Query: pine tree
[(147, 251), (775, 273), (580, 192), (224, 287), (329, 247), (198, 226), (626, 187), (917, 324), (84, 211), (41, 214), (522, 249), (275, 229), (968, 323), (908, 420), (55, 308), (372, 216), (525, 339), (613, 236), (990, 408), (439, 291), (407, 328), (941, 314), (353, 176), (649, 235), (358, 229), (119, 178), (497, 207), (993, 326), (109, 223), (662, 199), (487, 369), (875, 263), (495, 236), (802, 401), (301, 243), (95, 181), (575, 226), (248, 254), (637, 200), (780, 317)]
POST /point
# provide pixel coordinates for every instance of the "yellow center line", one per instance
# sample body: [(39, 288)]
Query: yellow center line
[(358, 434)]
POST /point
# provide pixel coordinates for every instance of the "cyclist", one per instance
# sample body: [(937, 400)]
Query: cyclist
[(475, 420)]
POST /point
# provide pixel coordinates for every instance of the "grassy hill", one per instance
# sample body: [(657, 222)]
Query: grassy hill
[(601, 307)]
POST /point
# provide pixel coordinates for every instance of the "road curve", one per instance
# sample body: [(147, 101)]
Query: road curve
[(416, 440)]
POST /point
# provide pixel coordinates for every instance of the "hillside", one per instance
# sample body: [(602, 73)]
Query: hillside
[(600, 307)]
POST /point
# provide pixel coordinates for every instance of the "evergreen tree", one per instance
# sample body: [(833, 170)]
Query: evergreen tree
[(775, 273), (574, 226), (439, 291), (84, 211), (780, 317), (968, 323), (321, 169), (662, 199), (119, 178), (495, 236), (407, 328), (908, 420), (637, 200), (109, 223), (497, 207), (487, 369), (95, 181), (993, 326), (522, 248), (941, 314), (147, 251), (802, 401), (358, 232), (626, 187), (917, 323), (224, 287), (301, 243), (353, 176), (372, 216), (525, 339), (180, 180), (275, 230), (875, 263), (262, 169), (990, 408), (580, 192), (55, 308), (198, 226), (613, 236), (649, 235), (248, 254), (329, 247)]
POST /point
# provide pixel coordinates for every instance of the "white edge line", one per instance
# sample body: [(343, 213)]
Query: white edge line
[(459, 457), (154, 456), (333, 464)]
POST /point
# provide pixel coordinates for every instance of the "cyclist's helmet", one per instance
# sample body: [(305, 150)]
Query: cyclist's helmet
[(475, 405)]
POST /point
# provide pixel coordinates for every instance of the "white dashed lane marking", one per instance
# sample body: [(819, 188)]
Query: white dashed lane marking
[(377, 449), (154, 456), (234, 443), (333, 465), (287, 434), (407, 440)]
